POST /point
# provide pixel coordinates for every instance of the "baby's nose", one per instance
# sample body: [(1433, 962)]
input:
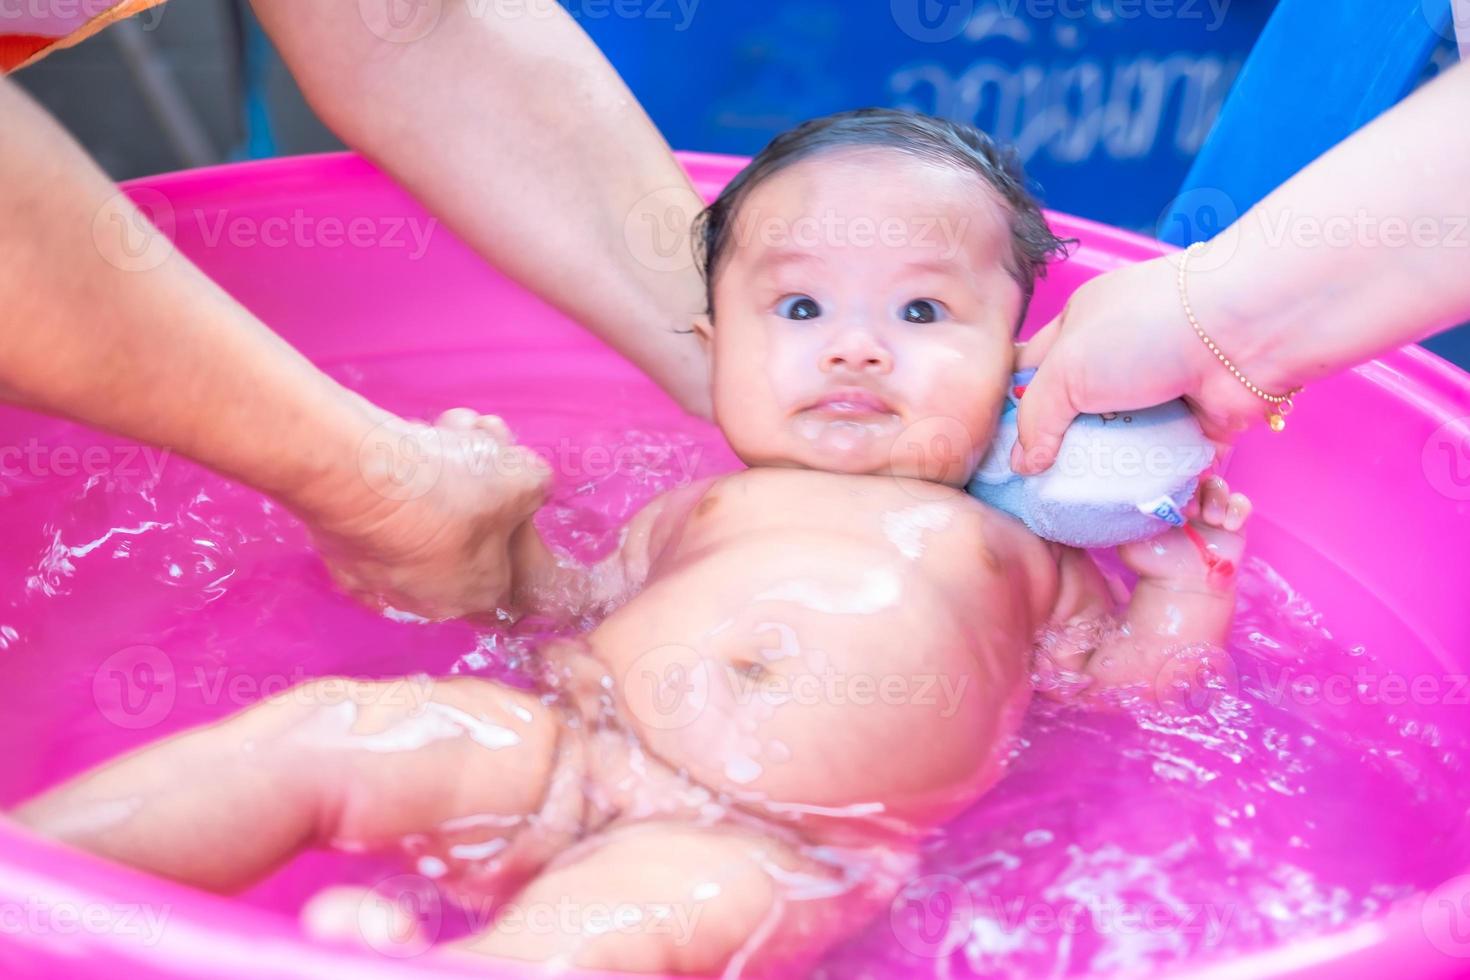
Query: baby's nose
[(856, 350)]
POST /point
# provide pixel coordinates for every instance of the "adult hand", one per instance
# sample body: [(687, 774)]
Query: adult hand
[(428, 529), (1121, 343), (1287, 309)]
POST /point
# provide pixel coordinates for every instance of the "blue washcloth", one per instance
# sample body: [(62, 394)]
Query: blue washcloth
[(1119, 477)]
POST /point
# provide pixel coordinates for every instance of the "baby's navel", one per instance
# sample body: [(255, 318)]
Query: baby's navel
[(750, 668)]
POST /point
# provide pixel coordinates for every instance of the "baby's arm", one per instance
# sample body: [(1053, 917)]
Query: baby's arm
[(1183, 598)]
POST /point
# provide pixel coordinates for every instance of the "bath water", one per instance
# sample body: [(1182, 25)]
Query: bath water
[(138, 599)]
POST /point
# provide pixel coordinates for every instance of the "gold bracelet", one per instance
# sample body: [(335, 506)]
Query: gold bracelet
[(1281, 405)]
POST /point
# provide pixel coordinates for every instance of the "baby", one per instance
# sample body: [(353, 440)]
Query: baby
[(805, 667)]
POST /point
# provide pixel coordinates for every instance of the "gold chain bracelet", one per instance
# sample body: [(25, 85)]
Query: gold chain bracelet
[(1281, 405)]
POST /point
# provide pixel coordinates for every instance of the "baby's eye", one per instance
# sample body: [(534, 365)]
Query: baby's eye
[(923, 311), (799, 308)]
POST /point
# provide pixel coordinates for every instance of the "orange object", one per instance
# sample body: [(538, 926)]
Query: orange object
[(40, 34)]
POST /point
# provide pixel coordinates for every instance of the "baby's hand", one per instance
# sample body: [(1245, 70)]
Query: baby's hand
[(1206, 551)]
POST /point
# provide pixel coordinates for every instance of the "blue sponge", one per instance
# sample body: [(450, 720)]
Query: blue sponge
[(1119, 477)]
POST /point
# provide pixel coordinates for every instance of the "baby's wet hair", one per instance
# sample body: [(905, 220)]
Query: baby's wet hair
[(1033, 245)]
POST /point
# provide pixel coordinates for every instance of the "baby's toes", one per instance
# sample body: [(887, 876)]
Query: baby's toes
[(496, 428), (458, 418), (1237, 512)]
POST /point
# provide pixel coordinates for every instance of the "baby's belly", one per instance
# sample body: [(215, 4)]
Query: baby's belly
[(821, 682)]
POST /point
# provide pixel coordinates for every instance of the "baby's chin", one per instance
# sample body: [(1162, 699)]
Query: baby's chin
[(861, 451)]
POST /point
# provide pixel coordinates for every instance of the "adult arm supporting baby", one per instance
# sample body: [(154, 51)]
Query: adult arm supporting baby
[(143, 344), (510, 125), (1362, 251)]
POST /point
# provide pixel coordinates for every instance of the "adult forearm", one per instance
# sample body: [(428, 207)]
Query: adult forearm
[(509, 124), (103, 322), (1366, 249)]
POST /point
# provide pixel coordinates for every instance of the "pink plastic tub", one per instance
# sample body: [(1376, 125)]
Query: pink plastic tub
[(1364, 504)]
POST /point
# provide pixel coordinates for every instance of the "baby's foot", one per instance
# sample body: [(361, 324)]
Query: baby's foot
[(1206, 551)]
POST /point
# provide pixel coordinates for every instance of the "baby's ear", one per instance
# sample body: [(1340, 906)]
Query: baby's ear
[(704, 328)]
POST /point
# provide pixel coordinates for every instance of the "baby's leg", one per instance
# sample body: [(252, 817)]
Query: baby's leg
[(333, 761), (677, 898)]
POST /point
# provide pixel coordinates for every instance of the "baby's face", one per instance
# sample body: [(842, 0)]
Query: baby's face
[(863, 318)]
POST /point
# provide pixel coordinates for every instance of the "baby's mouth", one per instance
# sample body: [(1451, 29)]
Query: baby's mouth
[(844, 421), (851, 404)]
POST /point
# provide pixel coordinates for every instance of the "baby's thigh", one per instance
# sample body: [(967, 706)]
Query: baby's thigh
[(682, 899), (410, 755)]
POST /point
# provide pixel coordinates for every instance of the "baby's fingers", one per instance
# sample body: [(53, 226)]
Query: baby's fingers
[(1238, 512), (1214, 500)]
